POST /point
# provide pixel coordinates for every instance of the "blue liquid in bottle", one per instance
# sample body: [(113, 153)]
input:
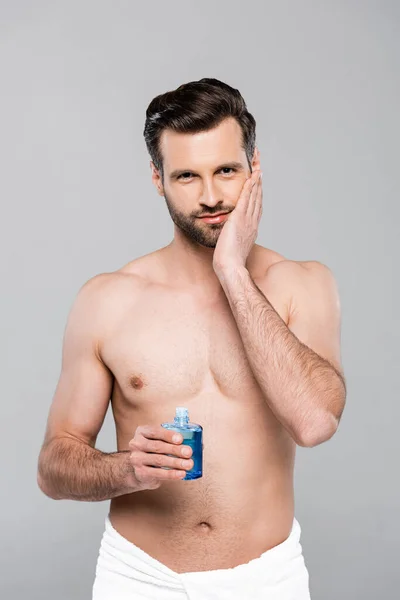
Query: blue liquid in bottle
[(192, 434)]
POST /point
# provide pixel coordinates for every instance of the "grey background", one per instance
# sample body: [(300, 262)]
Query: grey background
[(322, 80)]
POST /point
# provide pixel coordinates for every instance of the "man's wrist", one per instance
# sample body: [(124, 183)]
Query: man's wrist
[(128, 479), (230, 272)]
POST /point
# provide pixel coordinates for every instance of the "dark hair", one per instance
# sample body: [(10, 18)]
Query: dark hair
[(193, 107)]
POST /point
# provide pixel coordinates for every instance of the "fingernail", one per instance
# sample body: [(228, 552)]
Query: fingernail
[(177, 438)]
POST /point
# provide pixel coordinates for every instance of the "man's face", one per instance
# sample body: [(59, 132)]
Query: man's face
[(203, 174)]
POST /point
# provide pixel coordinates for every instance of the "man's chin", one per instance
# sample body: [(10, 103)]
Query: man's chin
[(207, 242), (209, 245), (207, 239)]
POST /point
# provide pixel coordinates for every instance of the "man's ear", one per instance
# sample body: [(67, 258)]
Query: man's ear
[(156, 178), (255, 163)]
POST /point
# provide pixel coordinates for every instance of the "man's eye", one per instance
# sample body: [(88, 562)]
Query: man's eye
[(188, 174)]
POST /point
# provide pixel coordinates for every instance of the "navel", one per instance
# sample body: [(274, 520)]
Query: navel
[(204, 526)]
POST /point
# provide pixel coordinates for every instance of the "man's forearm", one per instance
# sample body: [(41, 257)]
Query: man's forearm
[(72, 470), (302, 388)]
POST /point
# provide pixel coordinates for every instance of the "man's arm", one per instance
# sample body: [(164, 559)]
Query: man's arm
[(297, 366), (69, 467)]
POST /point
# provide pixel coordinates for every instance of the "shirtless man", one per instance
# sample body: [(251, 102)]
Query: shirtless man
[(247, 340)]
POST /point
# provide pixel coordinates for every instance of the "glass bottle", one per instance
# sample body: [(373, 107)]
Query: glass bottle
[(192, 434)]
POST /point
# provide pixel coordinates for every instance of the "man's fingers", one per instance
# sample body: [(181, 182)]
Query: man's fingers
[(254, 196), (162, 474), (257, 212), (158, 432), (243, 201)]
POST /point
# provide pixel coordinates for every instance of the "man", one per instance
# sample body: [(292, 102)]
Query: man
[(247, 340)]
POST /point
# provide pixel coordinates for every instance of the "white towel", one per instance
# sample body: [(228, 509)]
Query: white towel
[(124, 571)]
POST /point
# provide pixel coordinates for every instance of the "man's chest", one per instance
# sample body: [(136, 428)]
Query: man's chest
[(176, 347)]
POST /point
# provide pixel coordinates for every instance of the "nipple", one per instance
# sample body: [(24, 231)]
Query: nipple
[(136, 382)]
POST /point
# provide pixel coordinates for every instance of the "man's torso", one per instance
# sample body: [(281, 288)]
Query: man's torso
[(169, 346)]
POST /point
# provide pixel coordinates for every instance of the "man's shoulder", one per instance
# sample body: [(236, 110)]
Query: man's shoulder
[(137, 273), (144, 267), (277, 270), (299, 270), (108, 289), (302, 281), (106, 283)]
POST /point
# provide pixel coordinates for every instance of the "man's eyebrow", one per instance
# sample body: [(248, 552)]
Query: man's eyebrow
[(227, 165)]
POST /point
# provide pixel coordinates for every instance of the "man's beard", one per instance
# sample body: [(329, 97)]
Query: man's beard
[(205, 235)]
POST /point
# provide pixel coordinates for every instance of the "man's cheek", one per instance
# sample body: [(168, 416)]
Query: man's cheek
[(234, 190)]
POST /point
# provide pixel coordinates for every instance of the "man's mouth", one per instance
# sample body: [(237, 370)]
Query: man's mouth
[(217, 218)]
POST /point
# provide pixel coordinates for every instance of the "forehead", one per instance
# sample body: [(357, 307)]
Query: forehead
[(202, 149)]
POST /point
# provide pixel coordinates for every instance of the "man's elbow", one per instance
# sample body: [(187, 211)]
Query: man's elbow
[(45, 489), (318, 434)]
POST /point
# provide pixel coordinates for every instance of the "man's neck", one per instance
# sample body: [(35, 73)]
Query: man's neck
[(190, 263)]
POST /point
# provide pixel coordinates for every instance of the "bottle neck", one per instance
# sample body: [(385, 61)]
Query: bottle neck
[(181, 421)]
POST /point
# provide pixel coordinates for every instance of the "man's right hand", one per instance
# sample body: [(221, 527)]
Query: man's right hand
[(150, 447)]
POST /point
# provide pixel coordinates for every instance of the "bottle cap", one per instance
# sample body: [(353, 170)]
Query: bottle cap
[(181, 412)]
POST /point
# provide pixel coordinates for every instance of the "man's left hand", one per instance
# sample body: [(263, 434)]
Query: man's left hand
[(241, 227)]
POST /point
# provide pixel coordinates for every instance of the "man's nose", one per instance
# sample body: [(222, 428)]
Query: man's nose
[(211, 195)]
